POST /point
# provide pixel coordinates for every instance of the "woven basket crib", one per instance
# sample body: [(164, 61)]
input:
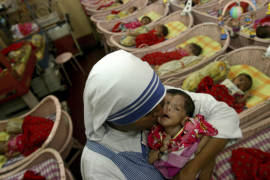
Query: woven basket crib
[(91, 10), (208, 29), (250, 118), (60, 136), (187, 20), (223, 169), (93, 4), (202, 14), (36, 160), (101, 17), (244, 39), (176, 5), (63, 142), (90, 2), (106, 27)]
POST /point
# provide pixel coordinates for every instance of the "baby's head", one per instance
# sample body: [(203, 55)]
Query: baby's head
[(161, 30), (132, 9), (146, 20), (243, 81), (263, 31), (3, 147), (119, 1), (178, 106), (194, 49)]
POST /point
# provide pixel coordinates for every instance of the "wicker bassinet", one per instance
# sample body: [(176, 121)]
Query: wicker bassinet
[(63, 143), (38, 158), (223, 168), (179, 4), (106, 27), (60, 137), (211, 30), (91, 10), (250, 118), (101, 17), (186, 19), (90, 3), (94, 4), (201, 13), (243, 39)]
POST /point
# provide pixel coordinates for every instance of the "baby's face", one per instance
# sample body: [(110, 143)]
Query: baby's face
[(145, 21), (242, 82), (131, 9), (174, 113), (188, 48), (158, 29), (3, 147)]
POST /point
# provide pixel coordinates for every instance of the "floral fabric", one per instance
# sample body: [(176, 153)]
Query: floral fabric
[(220, 93)]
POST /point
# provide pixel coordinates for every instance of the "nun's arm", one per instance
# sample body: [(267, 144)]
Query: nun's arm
[(202, 160)]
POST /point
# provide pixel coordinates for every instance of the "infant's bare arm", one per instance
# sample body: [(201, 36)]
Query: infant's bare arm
[(153, 156)]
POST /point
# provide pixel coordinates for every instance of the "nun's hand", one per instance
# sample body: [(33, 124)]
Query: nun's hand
[(185, 175)]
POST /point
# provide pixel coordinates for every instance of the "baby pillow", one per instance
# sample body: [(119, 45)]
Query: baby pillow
[(175, 28), (217, 70), (260, 89)]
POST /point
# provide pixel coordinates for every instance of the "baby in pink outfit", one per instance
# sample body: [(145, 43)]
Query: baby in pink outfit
[(175, 140)]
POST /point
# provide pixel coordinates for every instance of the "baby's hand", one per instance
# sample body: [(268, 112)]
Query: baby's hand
[(165, 144), (153, 156)]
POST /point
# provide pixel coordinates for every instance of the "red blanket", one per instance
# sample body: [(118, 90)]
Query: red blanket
[(220, 93), (35, 132), (250, 164), (158, 58), (31, 175), (148, 39)]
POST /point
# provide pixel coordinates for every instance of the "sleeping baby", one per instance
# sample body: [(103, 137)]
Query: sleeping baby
[(234, 93)]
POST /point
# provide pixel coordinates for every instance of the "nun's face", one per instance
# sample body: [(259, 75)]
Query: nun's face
[(145, 122), (150, 119)]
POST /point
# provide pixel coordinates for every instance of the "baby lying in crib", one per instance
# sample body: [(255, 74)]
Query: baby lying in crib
[(121, 14), (24, 136), (122, 27), (234, 92), (172, 61), (175, 140), (159, 58), (148, 38), (193, 56)]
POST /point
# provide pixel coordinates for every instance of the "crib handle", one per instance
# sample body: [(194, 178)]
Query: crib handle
[(220, 57), (236, 1)]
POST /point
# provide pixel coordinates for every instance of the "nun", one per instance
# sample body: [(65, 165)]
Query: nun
[(123, 96)]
